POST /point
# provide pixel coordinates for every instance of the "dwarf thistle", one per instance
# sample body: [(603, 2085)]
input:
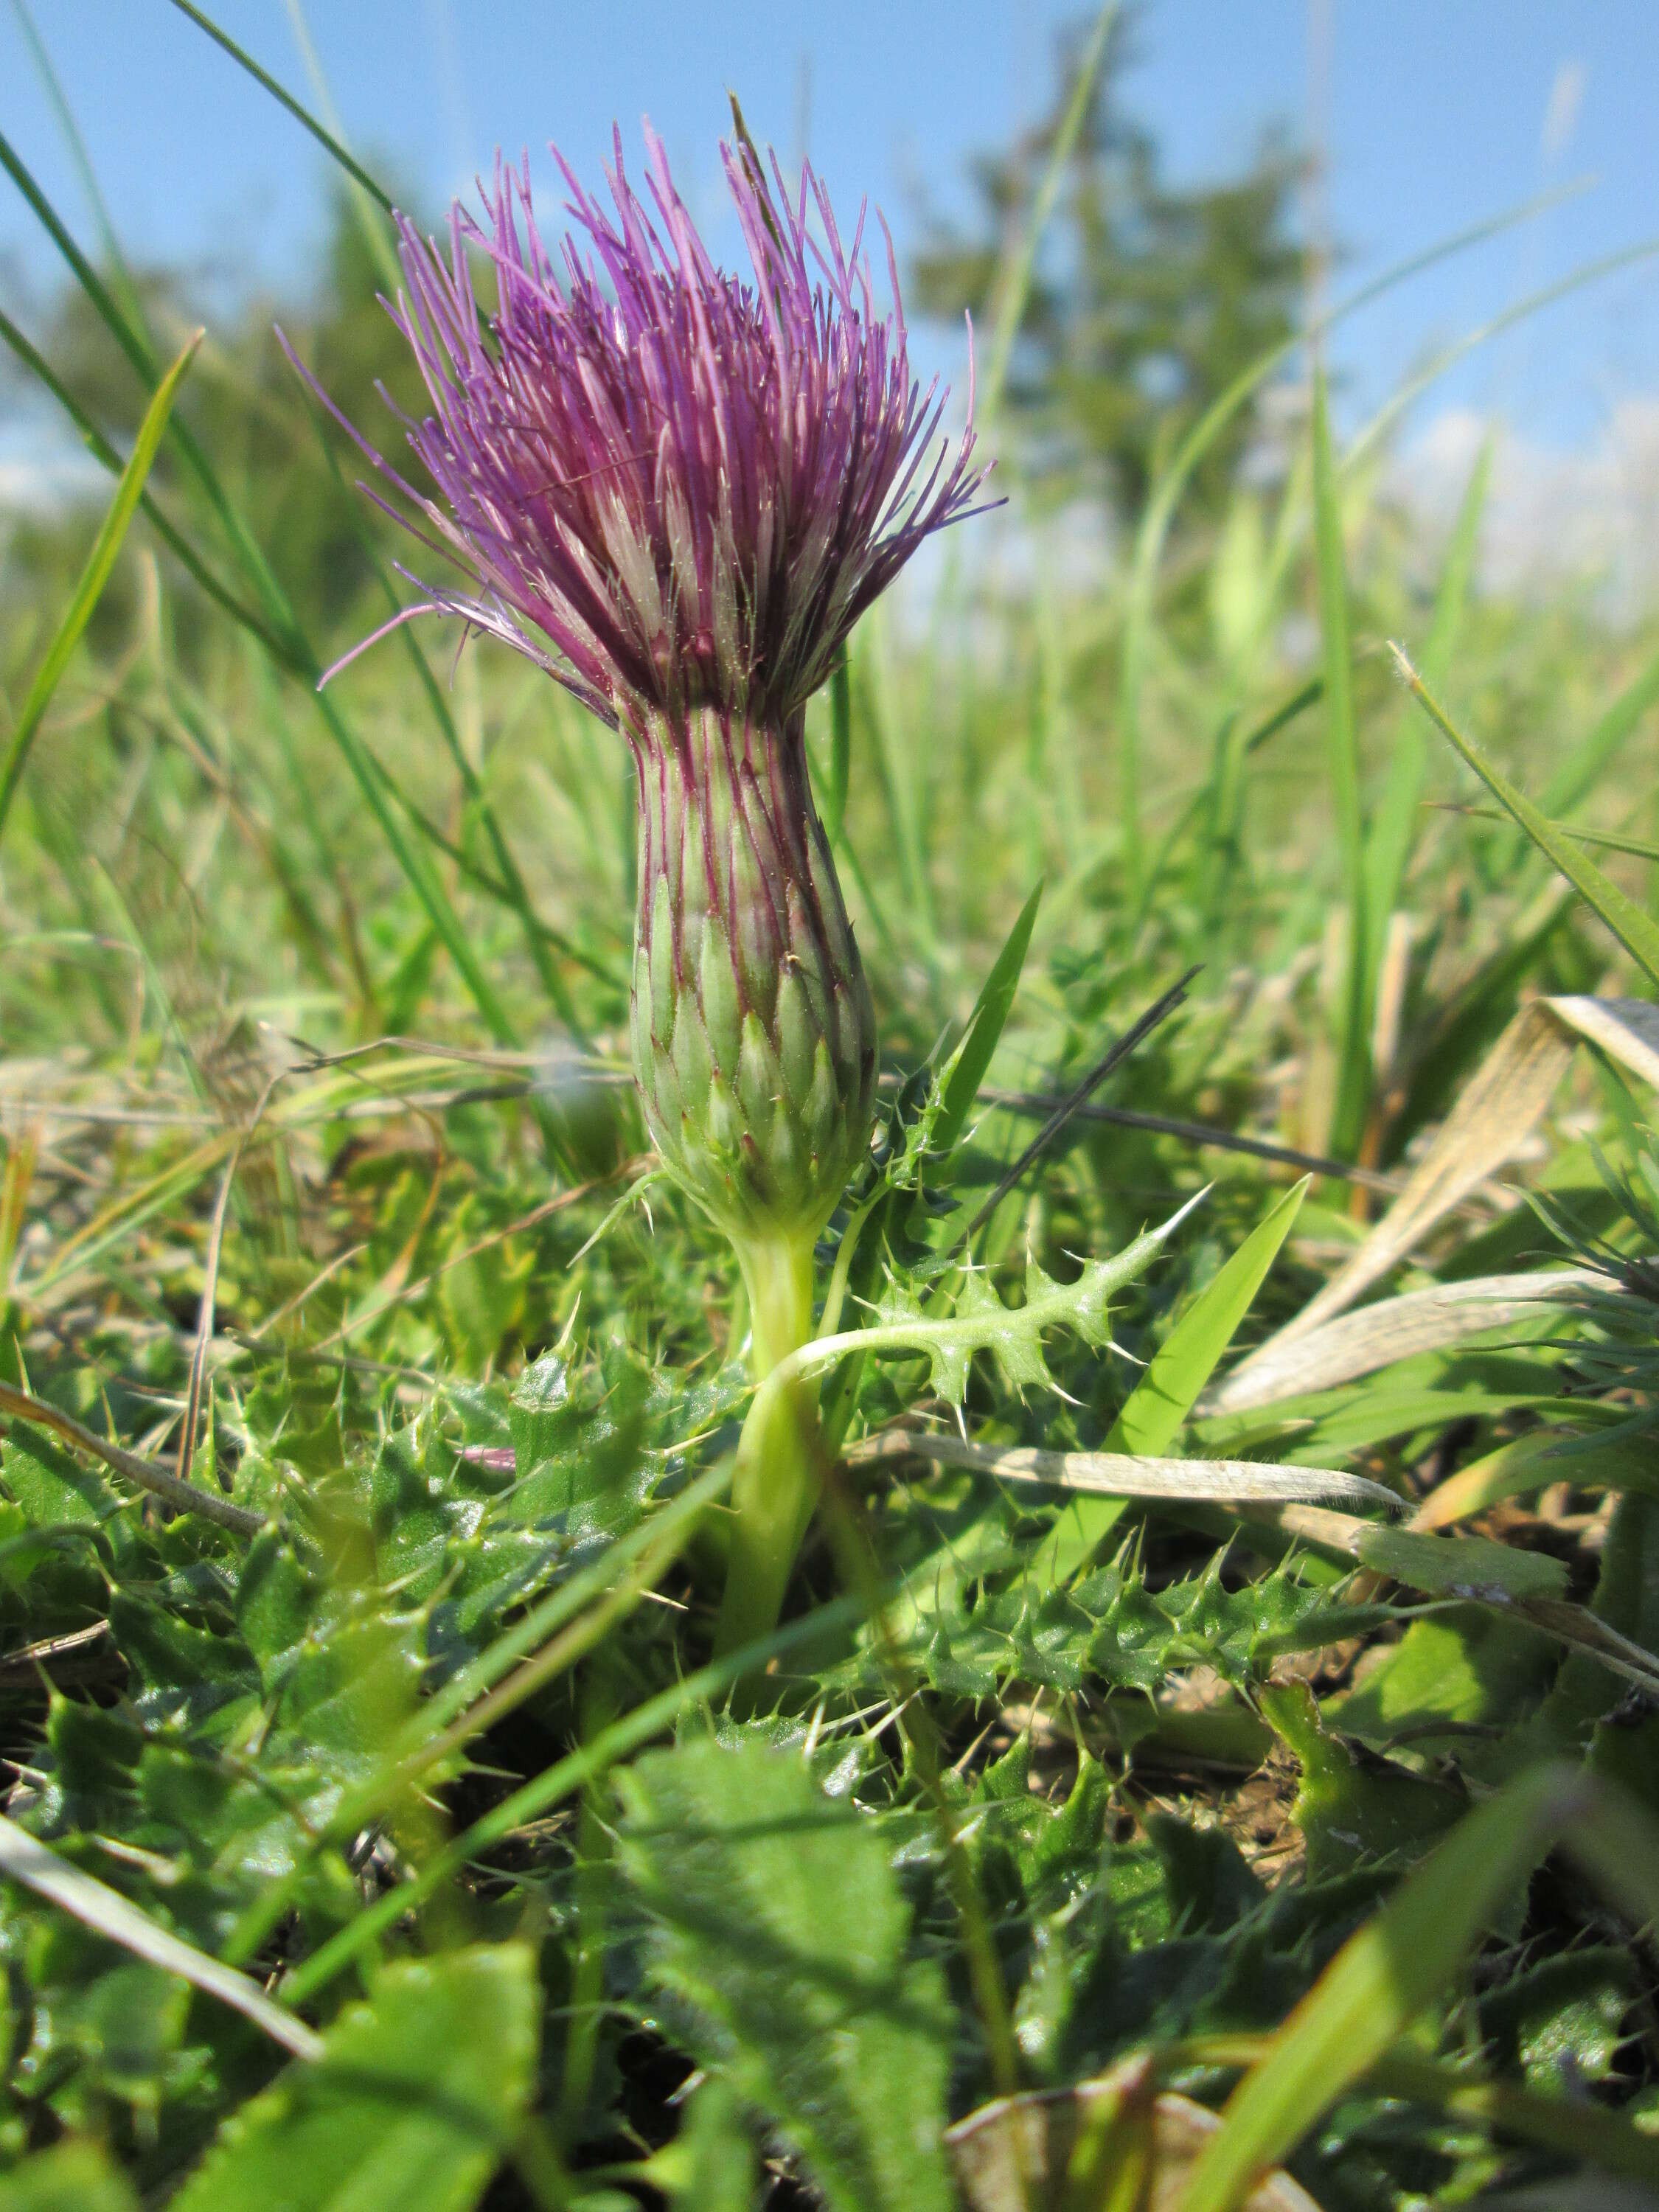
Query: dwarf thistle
[(677, 490)]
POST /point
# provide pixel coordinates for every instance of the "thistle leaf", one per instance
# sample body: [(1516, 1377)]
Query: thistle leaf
[(978, 1321)]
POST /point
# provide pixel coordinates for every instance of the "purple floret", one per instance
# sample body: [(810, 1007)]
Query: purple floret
[(666, 485)]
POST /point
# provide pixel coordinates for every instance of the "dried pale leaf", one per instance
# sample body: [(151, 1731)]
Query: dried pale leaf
[(1015, 2155), (1496, 1112), (1123, 1474), (1626, 1029), (1395, 1329)]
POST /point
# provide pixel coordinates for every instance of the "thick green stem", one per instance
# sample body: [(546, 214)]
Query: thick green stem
[(779, 1473)]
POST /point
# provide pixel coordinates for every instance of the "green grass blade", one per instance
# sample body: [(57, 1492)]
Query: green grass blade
[(1152, 1416), (186, 725), (522, 1660), (107, 457), (1400, 401), (1407, 1956), (1159, 1403), (1392, 833), (1353, 1063), (556, 1785), (298, 656), (985, 1025), (511, 886), (1636, 931), (1159, 513), (94, 577), (1451, 599), (1587, 2131), (1014, 289), (421, 877), (1054, 793), (1609, 841), (1307, 694), (1583, 769), (302, 115), (368, 202), (121, 276), (897, 763), (138, 353)]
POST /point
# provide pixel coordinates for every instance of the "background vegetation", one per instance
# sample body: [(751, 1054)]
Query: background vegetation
[(323, 1191)]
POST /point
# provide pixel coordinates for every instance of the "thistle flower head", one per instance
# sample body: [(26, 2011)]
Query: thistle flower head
[(677, 490), (672, 487)]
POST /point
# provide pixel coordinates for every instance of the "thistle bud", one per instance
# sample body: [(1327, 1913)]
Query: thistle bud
[(754, 1037)]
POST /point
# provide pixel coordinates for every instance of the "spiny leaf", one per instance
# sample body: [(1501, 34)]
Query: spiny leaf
[(981, 1322)]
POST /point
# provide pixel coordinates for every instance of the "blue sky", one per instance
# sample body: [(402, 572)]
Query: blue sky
[(1440, 112)]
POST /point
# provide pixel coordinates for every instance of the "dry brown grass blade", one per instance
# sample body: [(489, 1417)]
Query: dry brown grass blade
[(1577, 1626), (1499, 1109), (1359, 1343), (1079, 1096), (1202, 1133), (15, 1177), (186, 1497), (1124, 1474), (29, 1661)]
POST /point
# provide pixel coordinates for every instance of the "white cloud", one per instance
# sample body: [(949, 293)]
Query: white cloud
[(43, 482), (1553, 514)]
